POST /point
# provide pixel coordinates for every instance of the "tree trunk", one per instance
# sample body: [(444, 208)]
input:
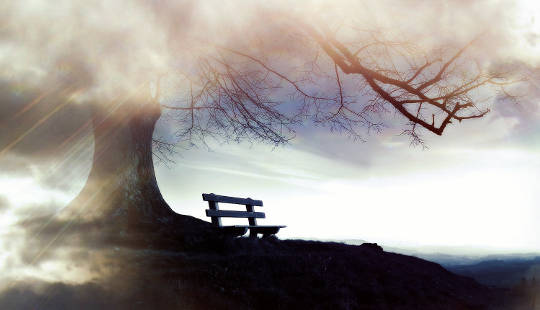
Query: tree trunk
[(122, 168), (121, 192)]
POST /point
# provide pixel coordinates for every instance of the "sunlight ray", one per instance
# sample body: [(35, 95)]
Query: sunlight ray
[(36, 125), (34, 102)]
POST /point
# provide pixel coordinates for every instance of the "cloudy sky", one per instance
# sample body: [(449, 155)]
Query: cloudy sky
[(475, 187)]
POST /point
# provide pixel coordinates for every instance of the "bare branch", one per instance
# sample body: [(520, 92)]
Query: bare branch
[(241, 94)]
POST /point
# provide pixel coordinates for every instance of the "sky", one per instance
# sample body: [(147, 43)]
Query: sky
[(476, 187), (480, 193)]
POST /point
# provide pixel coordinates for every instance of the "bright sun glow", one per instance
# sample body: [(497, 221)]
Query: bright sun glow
[(529, 11), (527, 24)]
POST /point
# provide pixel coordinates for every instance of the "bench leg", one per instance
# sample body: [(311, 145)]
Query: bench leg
[(271, 233), (252, 234)]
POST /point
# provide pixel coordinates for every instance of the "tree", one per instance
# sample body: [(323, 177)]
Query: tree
[(236, 93)]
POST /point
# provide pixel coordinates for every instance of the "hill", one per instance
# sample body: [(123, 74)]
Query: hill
[(242, 273)]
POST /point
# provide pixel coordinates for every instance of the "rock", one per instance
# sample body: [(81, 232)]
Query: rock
[(372, 246)]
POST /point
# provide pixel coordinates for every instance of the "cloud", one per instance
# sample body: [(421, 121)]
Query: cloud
[(36, 124), (14, 165), (44, 136), (524, 112), (53, 236), (100, 58), (4, 204), (59, 295)]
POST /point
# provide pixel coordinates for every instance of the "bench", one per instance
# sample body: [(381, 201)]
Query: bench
[(216, 214)]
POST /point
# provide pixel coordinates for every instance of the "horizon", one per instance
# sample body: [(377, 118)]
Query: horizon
[(316, 183)]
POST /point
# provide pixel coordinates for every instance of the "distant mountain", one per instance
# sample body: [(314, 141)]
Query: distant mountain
[(450, 255), (498, 270), (507, 272)]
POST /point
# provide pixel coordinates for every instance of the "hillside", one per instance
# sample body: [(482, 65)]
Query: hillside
[(263, 274)]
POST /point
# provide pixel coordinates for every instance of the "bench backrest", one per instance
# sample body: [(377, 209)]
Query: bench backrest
[(216, 214)]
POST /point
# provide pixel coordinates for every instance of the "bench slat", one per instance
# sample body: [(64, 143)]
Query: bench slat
[(228, 213), (235, 200)]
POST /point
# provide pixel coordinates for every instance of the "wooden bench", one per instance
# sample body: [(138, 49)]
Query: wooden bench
[(216, 214)]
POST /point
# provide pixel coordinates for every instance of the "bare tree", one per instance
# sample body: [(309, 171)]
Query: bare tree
[(234, 93), (241, 94)]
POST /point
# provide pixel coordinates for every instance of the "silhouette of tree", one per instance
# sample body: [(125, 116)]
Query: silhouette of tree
[(245, 94)]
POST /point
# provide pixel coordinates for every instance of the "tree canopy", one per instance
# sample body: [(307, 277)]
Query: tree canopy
[(347, 83)]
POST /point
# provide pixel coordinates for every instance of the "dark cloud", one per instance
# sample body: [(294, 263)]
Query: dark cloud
[(135, 287), (47, 234), (44, 135), (44, 232), (41, 295), (39, 124)]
